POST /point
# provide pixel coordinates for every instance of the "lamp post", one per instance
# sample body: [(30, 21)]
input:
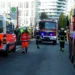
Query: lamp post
[(31, 27), (17, 18)]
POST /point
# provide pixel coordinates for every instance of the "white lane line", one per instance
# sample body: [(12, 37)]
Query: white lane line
[(18, 49)]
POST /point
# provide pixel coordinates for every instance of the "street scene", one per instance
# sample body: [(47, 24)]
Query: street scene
[(37, 37), (44, 61)]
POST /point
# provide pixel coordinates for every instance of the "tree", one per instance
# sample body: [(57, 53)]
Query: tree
[(43, 15), (67, 20), (62, 21), (69, 16)]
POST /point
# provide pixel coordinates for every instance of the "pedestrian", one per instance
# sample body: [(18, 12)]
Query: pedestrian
[(62, 38), (37, 39), (24, 38)]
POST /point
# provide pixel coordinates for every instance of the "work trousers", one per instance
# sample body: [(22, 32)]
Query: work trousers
[(37, 43), (62, 44), (24, 45)]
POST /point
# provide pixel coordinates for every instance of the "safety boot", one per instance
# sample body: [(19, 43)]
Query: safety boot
[(37, 46), (23, 50), (26, 50), (62, 49)]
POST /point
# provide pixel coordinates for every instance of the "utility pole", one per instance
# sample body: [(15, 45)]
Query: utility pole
[(17, 18)]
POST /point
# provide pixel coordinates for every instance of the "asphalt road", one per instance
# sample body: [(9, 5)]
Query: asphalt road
[(48, 60)]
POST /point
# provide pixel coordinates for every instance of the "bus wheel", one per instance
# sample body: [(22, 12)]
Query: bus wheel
[(5, 53)]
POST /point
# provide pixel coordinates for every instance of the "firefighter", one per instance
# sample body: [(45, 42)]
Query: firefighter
[(24, 38), (37, 39), (62, 38)]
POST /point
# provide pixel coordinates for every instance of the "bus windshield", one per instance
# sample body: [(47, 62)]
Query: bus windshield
[(1, 26), (47, 25)]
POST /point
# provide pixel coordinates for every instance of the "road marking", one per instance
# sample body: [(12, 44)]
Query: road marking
[(18, 49)]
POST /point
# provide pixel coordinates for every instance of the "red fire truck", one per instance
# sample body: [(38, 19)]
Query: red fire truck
[(72, 38), (48, 31), (7, 36)]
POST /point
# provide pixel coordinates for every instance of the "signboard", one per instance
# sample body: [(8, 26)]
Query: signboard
[(13, 13), (13, 9)]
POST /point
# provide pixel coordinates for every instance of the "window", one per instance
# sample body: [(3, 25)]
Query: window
[(27, 4), (32, 4), (19, 21), (24, 4), (10, 28), (20, 5), (19, 12), (50, 25), (26, 12), (3, 5), (26, 21), (1, 26), (47, 25)]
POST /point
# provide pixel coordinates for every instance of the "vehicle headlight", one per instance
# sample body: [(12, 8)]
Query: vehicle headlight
[(55, 37)]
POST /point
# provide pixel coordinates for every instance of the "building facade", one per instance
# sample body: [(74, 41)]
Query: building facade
[(70, 5), (53, 8), (27, 10)]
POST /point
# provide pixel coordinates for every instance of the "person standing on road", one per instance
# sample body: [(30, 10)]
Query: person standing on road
[(37, 39), (24, 38), (62, 38)]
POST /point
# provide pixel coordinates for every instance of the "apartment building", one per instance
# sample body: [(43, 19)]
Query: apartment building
[(27, 10), (53, 8), (70, 5)]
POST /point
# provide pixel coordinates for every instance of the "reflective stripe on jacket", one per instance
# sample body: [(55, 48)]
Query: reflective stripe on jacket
[(24, 37), (62, 38)]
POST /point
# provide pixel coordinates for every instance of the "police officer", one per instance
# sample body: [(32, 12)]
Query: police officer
[(62, 38), (37, 39)]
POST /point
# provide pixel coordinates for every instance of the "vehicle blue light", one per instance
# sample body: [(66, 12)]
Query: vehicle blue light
[(42, 34), (51, 34)]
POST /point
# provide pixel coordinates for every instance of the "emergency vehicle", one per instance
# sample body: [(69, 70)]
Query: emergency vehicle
[(48, 31), (72, 38), (7, 36)]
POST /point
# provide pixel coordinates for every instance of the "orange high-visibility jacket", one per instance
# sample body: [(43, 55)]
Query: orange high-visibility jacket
[(24, 37)]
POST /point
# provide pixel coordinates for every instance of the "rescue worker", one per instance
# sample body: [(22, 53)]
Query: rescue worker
[(37, 39), (29, 31), (24, 38), (62, 38)]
